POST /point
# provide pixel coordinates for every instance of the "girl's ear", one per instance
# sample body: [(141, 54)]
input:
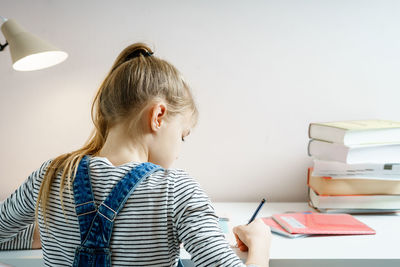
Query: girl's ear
[(157, 114)]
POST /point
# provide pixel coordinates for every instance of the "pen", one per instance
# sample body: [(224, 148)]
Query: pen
[(257, 210), (239, 242)]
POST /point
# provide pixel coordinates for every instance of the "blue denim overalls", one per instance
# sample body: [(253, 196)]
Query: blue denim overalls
[(96, 224)]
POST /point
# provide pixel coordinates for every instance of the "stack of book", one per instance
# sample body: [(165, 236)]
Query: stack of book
[(356, 166)]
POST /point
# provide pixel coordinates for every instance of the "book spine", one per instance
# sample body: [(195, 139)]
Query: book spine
[(308, 148)]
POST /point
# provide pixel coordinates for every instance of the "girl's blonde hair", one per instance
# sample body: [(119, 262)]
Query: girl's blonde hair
[(135, 80)]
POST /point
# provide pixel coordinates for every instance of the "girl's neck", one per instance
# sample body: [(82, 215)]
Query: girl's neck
[(120, 149)]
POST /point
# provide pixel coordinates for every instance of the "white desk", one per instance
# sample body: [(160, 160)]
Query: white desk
[(380, 250)]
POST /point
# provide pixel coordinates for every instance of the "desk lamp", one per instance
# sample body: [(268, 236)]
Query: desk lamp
[(28, 52)]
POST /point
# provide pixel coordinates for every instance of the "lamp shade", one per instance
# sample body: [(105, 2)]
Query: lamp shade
[(28, 52)]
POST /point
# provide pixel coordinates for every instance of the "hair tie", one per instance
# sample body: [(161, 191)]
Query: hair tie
[(137, 53)]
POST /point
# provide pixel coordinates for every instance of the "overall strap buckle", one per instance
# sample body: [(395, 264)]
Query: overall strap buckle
[(107, 212), (85, 208)]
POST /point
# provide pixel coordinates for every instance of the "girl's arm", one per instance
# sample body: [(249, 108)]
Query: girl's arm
[(197, 227), (17, 215), (22, 240)]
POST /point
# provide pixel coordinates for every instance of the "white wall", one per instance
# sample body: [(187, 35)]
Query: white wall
[(260, 71)]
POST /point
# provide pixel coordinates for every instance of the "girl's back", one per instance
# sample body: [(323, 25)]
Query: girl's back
[(165, 208)]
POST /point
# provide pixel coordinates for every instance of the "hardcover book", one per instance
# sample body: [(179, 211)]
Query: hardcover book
[(325, 185), (356, 132), (375, 171), (354, 154), (358, 202)]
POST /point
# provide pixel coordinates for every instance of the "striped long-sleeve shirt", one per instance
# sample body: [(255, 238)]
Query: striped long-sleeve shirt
[(166, 209)]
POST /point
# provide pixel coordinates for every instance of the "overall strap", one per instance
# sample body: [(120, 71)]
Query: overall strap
[(101, 228), (83, 195), (112, 205)]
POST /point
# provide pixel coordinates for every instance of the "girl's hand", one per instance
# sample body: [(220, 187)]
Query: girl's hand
[(36, 244), (256, 238)]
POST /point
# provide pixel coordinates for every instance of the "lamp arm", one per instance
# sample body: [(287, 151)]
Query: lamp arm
[(2, 46)]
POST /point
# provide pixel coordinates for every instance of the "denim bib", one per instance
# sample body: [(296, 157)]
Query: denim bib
[(96, 223)]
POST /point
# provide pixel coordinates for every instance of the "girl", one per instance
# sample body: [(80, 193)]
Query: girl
[(116, 194)]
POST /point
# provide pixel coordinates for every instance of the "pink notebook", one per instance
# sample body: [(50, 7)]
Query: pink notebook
[(323, 224)]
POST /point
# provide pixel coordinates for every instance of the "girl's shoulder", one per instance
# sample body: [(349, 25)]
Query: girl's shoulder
[(182, 180), (41, 171), (179, 175)]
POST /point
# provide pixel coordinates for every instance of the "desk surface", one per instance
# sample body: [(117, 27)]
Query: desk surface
[(382, 246)]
